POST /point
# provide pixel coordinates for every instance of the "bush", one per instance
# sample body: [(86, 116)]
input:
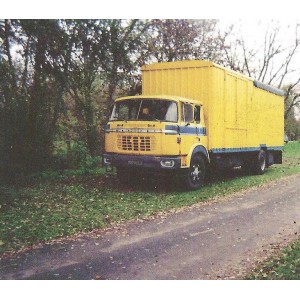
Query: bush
[(90, 162), (76, 157)]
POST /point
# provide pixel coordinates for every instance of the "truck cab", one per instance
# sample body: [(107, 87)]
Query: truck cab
[(157, 134)]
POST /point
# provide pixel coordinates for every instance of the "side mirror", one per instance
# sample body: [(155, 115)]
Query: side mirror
[(189, 123)]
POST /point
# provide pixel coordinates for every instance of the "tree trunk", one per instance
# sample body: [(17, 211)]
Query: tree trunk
[(33, 143), (91, 132)]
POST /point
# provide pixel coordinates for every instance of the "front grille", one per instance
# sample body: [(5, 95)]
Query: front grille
[(136, 143)]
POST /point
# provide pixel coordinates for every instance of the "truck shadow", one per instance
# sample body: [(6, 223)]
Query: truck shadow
[(169, 184)]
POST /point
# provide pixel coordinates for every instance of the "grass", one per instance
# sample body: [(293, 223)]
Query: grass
[(285, 266), (55, 205)]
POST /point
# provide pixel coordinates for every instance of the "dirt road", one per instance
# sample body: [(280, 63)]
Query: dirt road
[(221, 239)]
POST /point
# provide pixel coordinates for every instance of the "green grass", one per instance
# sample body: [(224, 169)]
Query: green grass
[(285, 266), (292, 149), (55, 205)]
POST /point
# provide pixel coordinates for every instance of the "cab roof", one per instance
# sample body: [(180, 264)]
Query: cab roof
[(161, 97)]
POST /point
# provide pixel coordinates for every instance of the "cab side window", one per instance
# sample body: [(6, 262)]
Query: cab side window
[(187, 113), (197, 113)]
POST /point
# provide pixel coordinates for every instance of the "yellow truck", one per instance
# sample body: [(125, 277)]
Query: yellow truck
[(195, 117)]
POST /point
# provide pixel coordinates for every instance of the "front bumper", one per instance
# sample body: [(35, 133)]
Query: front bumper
[(142, 161)]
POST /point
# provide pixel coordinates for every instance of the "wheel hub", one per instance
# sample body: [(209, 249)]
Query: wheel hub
[(195, 173), (262, 162)]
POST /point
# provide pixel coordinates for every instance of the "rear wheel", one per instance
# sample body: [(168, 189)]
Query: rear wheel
[(260, 163), (195, 175)]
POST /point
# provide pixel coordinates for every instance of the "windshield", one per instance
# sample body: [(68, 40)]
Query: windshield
[(145, 110)]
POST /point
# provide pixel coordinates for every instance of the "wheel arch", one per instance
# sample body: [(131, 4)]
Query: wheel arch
[(199, 149), (194, 176)]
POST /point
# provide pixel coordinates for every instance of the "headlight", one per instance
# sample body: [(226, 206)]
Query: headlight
[(167, 163), (107, 160)]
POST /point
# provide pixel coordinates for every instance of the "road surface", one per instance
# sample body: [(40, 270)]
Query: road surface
[(221, 239)]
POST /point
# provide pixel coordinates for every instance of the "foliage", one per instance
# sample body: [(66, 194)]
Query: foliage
[(292, 128), (291, 107), (30, 95), (55, 70), (185, 39)]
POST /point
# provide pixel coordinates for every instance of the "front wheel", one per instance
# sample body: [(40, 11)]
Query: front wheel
[(195, 175)]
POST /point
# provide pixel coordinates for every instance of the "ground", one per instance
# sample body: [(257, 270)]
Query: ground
[(221, 239)]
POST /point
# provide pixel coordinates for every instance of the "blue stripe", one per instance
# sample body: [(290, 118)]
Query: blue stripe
[(244, 149), (276, 148), (174, 128), (202, 131), (185, 130)]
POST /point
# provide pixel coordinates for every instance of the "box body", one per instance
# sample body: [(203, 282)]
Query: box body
[(240, 114)]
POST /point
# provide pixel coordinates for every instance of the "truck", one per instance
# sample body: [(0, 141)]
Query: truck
[(192, 119)]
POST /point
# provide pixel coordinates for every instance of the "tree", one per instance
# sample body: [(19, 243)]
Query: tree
[(292, 127), (292, 99), (31, 94), (79, 66), (45, 91), (100, 52), (179, 39), (126, 53)]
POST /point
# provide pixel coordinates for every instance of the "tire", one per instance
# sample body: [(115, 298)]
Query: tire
[(260, 163), (195, 175)]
